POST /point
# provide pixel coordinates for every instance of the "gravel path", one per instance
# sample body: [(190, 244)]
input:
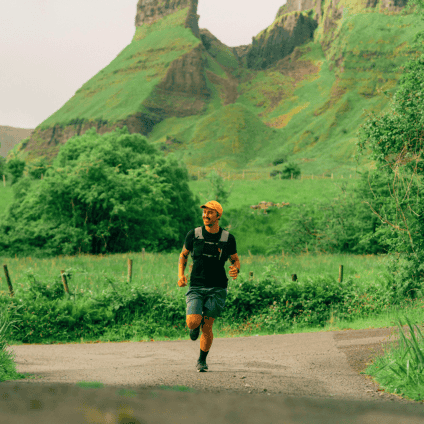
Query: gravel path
[(315, 373)]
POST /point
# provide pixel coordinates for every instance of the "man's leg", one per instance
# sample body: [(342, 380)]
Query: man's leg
[(206, 338), (193, 321)]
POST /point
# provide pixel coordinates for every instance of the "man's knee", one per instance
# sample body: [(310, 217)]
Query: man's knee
[(208, 321), (193, 321)]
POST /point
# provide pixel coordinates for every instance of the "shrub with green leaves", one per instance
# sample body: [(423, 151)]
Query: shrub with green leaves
[(15, 167), (103, 193), (38, 168), (345, 224), (290, 170)]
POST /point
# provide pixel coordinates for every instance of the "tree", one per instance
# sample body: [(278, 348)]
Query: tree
[(15, 167), (104, 193), (394, 140)]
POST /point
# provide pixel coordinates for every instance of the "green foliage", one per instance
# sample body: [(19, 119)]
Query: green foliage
[(290, 170), (344, 224), (110, 193), (15, 167), (272, 301), (394, 140), (396, 137), (38, 167), (2, 166), (400, 370)]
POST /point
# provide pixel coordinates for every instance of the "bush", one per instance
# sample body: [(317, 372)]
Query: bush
[(38, 168), (15, 167), (289, 170), (110, 193), (342, 225)]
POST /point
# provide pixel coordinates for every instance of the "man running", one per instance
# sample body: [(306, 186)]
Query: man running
[(210, 247)]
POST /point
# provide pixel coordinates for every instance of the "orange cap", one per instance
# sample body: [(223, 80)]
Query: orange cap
[(213, 205)]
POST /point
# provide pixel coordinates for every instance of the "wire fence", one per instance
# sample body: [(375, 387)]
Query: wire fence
[(261, 175)]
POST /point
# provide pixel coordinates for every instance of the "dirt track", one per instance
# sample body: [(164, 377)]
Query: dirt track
[(308, 377)]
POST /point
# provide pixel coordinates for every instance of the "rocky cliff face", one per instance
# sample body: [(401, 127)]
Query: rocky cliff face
[(300, 6), (184, 90), (149, 11), (280, 39), (318, 6)]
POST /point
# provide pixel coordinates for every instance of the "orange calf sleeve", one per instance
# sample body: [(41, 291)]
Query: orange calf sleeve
[(193, 321), (207, 335)]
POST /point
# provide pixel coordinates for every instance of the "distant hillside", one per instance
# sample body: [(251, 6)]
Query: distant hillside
[(299, 90), (10, 136)]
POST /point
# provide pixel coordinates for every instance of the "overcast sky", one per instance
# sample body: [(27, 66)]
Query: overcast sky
[(50, 48)]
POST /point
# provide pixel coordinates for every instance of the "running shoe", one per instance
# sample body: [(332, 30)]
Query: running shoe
[(201, 366)]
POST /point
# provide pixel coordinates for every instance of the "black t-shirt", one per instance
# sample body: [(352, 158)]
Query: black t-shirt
[(208, 272)]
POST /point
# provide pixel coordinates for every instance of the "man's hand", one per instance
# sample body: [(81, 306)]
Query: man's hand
[(235, 266), (182, 282), (233, 271)]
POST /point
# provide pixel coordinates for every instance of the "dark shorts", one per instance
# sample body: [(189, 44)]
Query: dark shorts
[(206, 301)]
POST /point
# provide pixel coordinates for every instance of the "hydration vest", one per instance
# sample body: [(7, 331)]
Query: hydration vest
[(216, 250)]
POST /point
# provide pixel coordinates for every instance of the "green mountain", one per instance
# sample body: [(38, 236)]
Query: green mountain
[(299, 90)]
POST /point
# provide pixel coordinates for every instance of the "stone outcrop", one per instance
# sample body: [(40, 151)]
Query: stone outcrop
[(265, 205), (184, 90), (150, 11), (280, 39), (49, 140), (300, 6), (333, 5)]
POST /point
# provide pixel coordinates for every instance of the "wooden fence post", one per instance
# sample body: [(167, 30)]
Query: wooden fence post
[(331, 175), (341, 273), (294, 277), (4, 180), (143, 251), (65, 284), (129, 270), (9, 283)]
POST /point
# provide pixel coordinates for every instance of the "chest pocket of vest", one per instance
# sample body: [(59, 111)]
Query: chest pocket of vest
[(202, 248), (197, 248)]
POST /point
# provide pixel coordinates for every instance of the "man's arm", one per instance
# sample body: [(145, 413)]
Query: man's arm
[(235, 263), (182, 262)]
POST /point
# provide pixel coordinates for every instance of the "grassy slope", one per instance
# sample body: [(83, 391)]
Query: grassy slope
[(119, 89), (315, 121)]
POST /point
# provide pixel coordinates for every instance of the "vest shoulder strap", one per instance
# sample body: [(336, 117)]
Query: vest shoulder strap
[(224, 236), (198, 233)]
